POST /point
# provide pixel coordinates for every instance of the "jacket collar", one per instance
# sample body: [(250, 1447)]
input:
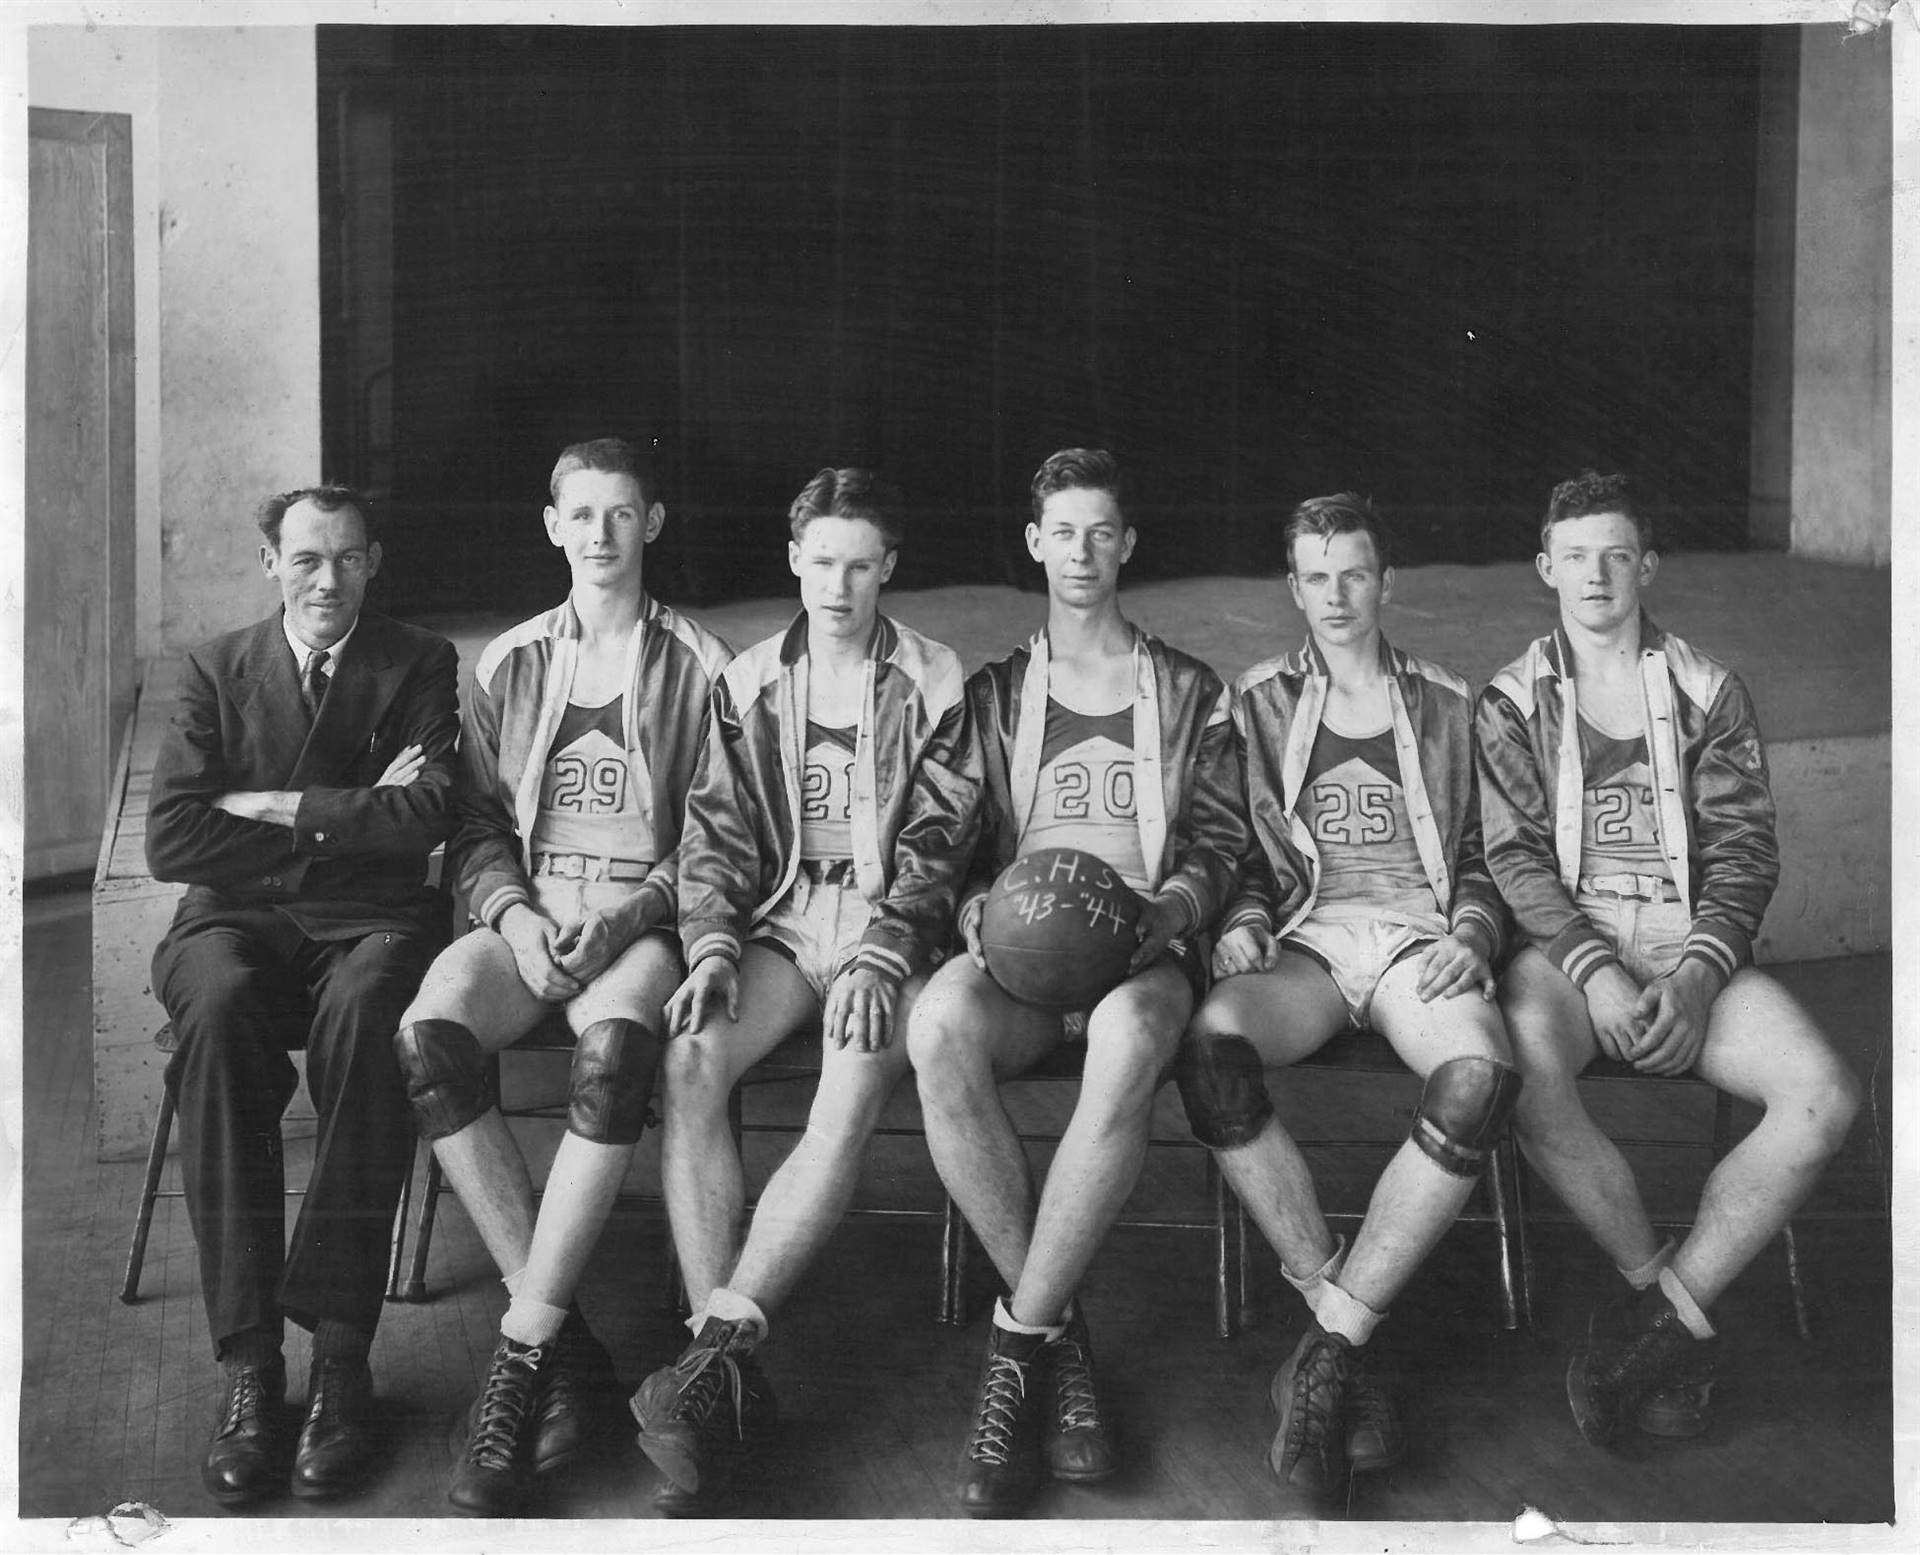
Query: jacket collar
[(566, 622), (880, 645), (1560, 646), (1313, 662)]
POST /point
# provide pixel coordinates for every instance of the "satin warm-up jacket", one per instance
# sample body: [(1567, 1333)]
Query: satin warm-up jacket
[(1713, 806), (1277, 707), (520, 689), (1186, 783), (916, 799)]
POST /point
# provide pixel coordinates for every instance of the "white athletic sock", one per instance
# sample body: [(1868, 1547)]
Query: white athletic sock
[(532, 1322), (1649, 1271), (1002, 1318), (1339, 1313), (729, 1306), (1307, 1284), (1691, 1312)]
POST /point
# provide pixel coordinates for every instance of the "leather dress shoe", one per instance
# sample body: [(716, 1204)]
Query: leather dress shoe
[(244, 1458), (337, 1441)]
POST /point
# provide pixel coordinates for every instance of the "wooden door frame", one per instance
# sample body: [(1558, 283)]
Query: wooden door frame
[(112, 135)]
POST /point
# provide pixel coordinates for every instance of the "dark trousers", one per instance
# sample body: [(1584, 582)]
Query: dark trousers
[(242, 988)]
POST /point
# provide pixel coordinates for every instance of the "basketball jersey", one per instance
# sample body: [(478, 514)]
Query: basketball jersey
[(1618, 830), (1355, 805), (1084, 796), (826, 794), (589, 802)]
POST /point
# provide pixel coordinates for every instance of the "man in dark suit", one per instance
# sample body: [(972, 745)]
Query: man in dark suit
[(299, 790)]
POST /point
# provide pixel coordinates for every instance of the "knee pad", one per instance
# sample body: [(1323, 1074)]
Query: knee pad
[(613, 1067), (446, 1074), (1223, 1085), (1462, 1110)]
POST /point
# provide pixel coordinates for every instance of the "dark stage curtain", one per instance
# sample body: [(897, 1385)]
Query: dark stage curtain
[(1446, 266)]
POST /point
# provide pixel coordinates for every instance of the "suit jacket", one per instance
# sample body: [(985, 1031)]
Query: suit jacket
[(356, 861)]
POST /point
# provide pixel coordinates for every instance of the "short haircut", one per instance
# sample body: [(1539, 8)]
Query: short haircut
[(328, 499), (1591, 492), (614, 456), (1078, 469), (1344, 513), (849, 493)]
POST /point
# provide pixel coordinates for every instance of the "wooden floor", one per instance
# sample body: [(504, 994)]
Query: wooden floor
[(117, 1400)]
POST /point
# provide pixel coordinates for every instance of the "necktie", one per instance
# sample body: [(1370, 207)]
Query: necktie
[(314, 689)]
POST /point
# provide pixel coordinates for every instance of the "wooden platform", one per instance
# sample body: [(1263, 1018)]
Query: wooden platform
[(116, 1401)]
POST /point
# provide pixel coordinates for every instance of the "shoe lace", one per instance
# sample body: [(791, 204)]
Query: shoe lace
[(708, 1374), (329, 1394), (246, 1398), (504, 1403), (1074, 1401), (1318, 1387), (1650, 1359), (1002, 1393), (1367, 1406)]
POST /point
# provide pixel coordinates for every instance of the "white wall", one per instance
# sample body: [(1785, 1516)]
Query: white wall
[(1843, 286), (226, 294)]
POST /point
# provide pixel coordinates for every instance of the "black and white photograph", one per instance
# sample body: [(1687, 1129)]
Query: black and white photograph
[(958, 775)]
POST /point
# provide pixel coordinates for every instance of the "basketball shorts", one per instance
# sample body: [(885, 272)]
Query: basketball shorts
[(1182, 954), (817, 925), (568, 901), (1647, 936), (1357, 946)]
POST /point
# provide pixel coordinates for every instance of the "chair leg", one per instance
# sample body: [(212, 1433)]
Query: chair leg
[(1243, 1280), (397, 1249), (1523, 1242), (953, 1266), (1793, 1280), (415, 1289), (150, 1191), (1499, 1181), (677, 1305), (1228, 1277)]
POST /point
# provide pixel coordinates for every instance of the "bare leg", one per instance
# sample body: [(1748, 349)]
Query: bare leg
[(1552, 1042), (1131, 1038), (966, 1035), (1286, 1014), (1764, 1048), (699, 1163), (1416, 1198), (807, 1196), (586, 1174), (475, 982)]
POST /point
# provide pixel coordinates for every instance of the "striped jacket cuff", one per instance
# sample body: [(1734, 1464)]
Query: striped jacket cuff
[(1580, 951), (884, 959), (714, 942), (1472, 918), (1718, 950), (494, 908), (1244, 915), (669, 900), (1183, 893)]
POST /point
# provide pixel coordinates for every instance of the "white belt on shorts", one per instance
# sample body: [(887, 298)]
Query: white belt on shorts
[(1641, 888), (827, 871), (586, 866)]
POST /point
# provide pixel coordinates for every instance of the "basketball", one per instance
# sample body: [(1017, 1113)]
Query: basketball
[(1059, 928)]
